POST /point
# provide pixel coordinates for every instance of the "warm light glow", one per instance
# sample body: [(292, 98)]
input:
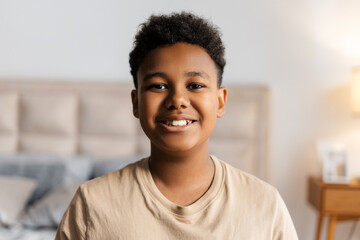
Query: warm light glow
[(356, 91), (336, 27)]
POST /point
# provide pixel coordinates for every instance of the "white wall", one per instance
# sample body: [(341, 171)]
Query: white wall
[(303, 50)]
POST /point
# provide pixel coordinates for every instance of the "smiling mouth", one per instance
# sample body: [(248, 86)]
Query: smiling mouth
[(177, 123)]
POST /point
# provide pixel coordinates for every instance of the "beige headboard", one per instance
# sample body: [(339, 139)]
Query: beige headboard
[(95, 118)]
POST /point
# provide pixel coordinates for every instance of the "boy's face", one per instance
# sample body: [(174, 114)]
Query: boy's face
[(178, 100)]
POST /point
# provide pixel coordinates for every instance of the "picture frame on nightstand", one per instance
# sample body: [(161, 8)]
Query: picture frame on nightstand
[(335, 164)]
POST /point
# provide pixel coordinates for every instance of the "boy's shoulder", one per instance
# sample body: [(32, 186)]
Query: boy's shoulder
[(113, 181), (242, 181)]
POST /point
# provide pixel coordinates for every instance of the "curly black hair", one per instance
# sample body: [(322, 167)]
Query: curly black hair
[(163, 30)]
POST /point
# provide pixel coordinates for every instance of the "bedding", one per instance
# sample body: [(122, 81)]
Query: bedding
[(20, 233), (14, 192), (49, 171), (48, 211)]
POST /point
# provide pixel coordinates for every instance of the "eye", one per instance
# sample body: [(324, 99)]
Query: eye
[(157, 86), (194, 86)]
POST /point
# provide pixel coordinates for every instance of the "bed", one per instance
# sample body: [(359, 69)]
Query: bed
[(56, 134)]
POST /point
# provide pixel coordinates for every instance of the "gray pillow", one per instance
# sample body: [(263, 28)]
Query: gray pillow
[(49, 210), (102, 167), (49, 171)]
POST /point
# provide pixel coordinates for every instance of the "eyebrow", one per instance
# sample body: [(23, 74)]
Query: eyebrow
[(197, 74), (165, 76), (155, 74)]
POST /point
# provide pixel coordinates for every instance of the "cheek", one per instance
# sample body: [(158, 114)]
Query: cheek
[(149, 106), (208, 105)]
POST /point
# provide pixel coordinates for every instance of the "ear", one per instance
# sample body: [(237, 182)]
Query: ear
[(222, 97), (134, 99)]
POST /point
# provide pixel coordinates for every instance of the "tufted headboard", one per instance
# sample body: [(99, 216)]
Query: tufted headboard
[(95, 118)]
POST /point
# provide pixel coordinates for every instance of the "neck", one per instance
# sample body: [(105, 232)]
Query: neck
[(182, 173), (179, 167)]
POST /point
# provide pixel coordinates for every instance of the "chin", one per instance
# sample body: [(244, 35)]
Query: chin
[(178, 146)]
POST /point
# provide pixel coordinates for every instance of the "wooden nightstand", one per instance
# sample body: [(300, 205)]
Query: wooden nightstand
[(338, 201)]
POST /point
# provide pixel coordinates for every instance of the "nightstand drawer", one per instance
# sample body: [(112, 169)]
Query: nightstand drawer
[(342, 200)]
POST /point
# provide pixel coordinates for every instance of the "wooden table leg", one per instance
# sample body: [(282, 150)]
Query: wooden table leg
[(319, 226), (331, 227)]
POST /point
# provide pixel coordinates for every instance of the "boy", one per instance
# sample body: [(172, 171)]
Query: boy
[(179, 192)]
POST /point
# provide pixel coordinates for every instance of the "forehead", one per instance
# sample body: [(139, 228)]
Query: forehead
[(177, 59)]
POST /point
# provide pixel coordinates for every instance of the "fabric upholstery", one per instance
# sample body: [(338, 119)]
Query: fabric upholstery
[(64, 145), (101, 147), (9, 113), (48, 113), (104, 114), (8, 121)]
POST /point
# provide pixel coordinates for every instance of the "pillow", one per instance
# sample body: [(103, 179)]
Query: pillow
[(50, 171), (48, 211), (102, 167), (14, 192)]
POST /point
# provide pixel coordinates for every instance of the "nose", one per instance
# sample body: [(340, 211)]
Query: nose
[(177, 99)]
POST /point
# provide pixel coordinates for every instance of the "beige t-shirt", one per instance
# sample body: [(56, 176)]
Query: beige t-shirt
[(126, 204)]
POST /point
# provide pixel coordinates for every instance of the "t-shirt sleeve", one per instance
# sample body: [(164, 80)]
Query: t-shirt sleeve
[(74, 222), (283, 226)]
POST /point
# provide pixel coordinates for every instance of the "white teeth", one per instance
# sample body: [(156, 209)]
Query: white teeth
[(177, 122)]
